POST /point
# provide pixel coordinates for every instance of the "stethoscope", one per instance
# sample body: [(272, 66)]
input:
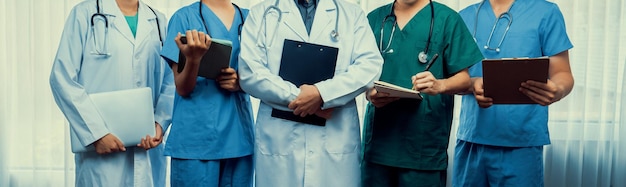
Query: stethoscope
[(240, 17), (102, 51), (503, 15), (333, 34), (422, 57)]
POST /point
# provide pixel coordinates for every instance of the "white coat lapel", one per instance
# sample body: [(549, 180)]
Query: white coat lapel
[(293, 19), (325, 14), (146, 22), (116, 19)]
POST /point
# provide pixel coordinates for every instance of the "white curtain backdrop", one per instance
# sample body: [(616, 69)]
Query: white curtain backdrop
[(587, 128)]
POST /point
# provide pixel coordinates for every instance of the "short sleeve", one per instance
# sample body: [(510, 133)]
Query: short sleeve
[(178, 23), (461, 52), (553, 35)]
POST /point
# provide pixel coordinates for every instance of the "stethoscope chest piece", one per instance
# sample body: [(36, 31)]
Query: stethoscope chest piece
[(422, 57), (335, 35)]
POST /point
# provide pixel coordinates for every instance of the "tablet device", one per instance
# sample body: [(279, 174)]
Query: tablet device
[(128, 114), (213, 61)]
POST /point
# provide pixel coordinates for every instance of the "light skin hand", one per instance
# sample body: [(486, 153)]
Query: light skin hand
[(425, 82), (308, 102), (326, 113), (479, 93), (229, 80), (557, 87), (151, 142), (109, 143), (379, 99)]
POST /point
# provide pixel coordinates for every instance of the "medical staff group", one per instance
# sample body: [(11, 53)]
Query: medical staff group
[(213, 141)]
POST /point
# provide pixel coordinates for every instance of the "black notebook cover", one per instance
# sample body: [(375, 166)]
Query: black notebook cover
[(306, 63), (213, 61), (502, 78)]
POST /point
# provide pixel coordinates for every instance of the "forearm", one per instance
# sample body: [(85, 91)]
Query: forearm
[(561, 75), (185, 81), (165, 100), (459, 83), (564, 82)]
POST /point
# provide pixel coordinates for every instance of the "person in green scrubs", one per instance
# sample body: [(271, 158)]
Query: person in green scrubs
[(405, 140)]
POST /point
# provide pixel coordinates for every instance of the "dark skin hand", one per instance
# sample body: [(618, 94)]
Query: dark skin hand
[(197, 45), (229, 80)]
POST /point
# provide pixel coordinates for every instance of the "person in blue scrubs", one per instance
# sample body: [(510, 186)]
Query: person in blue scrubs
[(211, 139), (502, 144), (102, 55)]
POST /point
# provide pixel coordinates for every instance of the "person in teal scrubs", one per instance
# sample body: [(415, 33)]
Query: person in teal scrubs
[(494, 140), (406, 139), (211, 138)]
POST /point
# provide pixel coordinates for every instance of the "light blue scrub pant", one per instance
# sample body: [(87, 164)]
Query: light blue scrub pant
[(477, 165), (231, 172)]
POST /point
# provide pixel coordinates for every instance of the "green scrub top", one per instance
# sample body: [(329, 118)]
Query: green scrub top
[(411, 133)]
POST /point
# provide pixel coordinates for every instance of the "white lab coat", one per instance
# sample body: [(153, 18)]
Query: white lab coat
[(134, 62), (293, 154)]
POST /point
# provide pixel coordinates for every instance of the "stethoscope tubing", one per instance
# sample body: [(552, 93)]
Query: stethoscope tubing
[(423, 55), (506, 31), (106, 29), (207, 28), (334, 33)]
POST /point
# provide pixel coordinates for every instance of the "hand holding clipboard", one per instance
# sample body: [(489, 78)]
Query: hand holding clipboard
[(502, 78)]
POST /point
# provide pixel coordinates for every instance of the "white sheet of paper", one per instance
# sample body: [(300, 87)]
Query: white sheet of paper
[(396, 91)]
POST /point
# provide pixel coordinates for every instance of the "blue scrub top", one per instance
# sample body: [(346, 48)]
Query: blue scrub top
[(212, 123), (538, 29)]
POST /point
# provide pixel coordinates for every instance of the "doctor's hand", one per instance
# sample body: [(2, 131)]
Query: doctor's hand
[(379, 99), (326, 113), (109, 144), (229, 80), (479, 93), (542, 93), (151, 142), (425, 82), (197, 44), (308, 102)]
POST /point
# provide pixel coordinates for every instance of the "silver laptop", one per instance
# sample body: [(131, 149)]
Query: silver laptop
[(128, 114)]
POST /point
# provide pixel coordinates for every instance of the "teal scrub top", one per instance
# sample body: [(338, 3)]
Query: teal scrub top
[(411, 133)]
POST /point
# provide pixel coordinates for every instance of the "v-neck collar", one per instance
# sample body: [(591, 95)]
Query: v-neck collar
[(423, 15), (209, 15)]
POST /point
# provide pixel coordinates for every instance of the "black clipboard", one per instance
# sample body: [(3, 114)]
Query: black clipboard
[(306, 63), (213, 61), (502, 78)]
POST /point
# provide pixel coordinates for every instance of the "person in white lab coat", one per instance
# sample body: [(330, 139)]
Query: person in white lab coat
[(294, 154), (123, 55)]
